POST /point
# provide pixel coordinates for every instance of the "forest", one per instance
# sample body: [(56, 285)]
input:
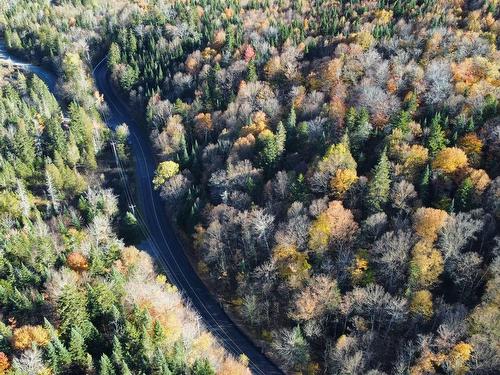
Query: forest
[(334, 165), (74, 297)]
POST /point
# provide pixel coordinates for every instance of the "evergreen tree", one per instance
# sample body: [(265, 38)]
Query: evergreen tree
[(379, 185), (202, 367), (13, 40), (229, 42), (291, 120), (299, 189), (269, 150), (52, 358), (358, 129), (350, 119), (206, 97), (280, 138), (113, 55), (402, 121), (43, 100), (177, 360), (54, 138), (159, 365), (125, 369), (183, 153), (436, 140), (72, 309), (158, 334), (73, 152), (425, 184), (251, 71), (77, 351), (214, 87), (24, 145), (117, 353), (464, 194), (105, 366)]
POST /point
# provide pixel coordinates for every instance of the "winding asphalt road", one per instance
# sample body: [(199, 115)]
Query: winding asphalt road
[(164, 243)]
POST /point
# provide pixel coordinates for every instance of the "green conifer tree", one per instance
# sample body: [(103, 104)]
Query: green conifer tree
[(72, 309), (77, 351), (202, 367), (105, 366), (291, 121), (280, 138), (436, 140), (425, 184), (464, 194), (159, 365), (117, 353), (379, 185), (251, 71), (113, 56)]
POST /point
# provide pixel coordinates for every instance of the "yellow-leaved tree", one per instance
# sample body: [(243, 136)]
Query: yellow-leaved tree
[(426, 265), (427, 222), (450, 159), (165, 171), (421, 304), (458, 358), (25, 336), (292, 264), (335, 226)]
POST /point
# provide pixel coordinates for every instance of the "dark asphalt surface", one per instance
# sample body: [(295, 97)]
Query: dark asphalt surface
[(165, 245)]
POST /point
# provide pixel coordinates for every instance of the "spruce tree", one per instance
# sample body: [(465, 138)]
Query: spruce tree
[(125, 369), (463, 196), (214, 87), (158, 334), (402, 121), (379, 185), (52, 358), (77, 351), (117, 353), (114, 55), (292, 119), (350, 119), (105, 366), (54, 139), (159, 365), (269, 150), (424, 185), (24, 145), (72, 309), (202, 367), (280, 137), (183, 153), (251, 71), (358, 128), (436, 140)]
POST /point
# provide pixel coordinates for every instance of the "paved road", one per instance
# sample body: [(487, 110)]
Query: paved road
[(165, 246)]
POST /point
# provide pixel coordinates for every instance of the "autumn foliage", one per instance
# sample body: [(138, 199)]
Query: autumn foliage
[(4, 363), (26, 336), (77, 261), (428, 222), (449, 160), (334, 226), (336, 160)]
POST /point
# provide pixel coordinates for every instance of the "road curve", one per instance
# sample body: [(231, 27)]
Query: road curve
[(165, 245)]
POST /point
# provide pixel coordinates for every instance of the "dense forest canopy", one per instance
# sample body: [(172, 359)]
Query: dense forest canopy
[(335, 162), (74, 299)]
